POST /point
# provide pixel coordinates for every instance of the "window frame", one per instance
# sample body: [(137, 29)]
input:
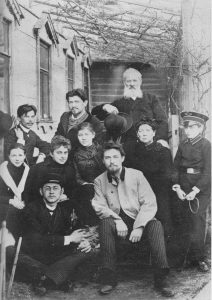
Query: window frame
[(43, 71), (86, 82), (68, 78), (6, 54)]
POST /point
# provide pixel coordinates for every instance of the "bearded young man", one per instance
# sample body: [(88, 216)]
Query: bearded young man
[(138, 104), (126, 206)]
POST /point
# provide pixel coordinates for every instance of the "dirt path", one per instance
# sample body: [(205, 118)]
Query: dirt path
[(133, 284)]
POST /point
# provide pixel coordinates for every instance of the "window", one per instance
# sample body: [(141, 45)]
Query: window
[(70, 73), (86, 82), (4, 66), (44, 81)]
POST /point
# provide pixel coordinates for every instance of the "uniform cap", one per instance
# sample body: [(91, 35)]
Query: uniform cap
[(51, 178), (193, 116)]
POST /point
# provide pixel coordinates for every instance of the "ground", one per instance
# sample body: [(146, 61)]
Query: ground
[(135, 282)]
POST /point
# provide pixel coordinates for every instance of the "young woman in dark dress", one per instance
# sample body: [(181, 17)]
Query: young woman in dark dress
[(88, 165), (155, 162), (13, 175)]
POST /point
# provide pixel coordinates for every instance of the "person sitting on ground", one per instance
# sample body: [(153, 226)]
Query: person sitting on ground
[(88, 165), (53, 245), (192, 184), (23, 134), (126, 206), (13, 175), (155, 161), (77, 102), (56, 162), (138, 105)]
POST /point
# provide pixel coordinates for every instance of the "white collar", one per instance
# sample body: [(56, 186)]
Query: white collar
[(50, 207), (24, 128)]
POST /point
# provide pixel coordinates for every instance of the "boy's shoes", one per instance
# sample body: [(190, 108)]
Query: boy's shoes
[(161, 285), (67, 287), (108, 281), (164, 289), (42, 285), (40, 290), (203, 267), (106, 289)]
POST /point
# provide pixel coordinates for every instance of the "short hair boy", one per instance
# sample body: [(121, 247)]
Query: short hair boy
[(192, 185), (23, 134)]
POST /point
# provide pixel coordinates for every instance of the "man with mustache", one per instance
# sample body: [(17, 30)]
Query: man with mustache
[(138, 104), (126, 206), (77, 114), (23, 134)]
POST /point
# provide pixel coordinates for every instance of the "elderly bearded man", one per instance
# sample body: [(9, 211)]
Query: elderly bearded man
[(138, 104), (126, 206)]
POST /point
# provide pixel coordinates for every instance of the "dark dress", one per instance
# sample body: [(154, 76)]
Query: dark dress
[(88, 165), (192, 227), (36, 173), (71, 134), (8, 212), (155, 162)]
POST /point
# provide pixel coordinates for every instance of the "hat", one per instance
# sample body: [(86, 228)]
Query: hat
[(5, 123), (51, 178), (118, 124), (193, 116)]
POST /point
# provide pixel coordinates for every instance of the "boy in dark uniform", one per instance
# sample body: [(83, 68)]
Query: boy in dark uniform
[(192, 185)]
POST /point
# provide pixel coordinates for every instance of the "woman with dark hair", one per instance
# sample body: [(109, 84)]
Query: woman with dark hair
[(13, 175), (155, 162), (88, 165)]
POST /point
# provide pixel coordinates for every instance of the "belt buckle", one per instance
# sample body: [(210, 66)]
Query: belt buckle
[(190, 171)]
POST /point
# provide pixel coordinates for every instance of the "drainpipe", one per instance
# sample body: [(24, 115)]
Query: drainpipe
[(38, 70)]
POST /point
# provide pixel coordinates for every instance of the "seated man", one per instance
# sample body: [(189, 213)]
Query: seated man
[(52, 247), (126, 206), (56, 162), (23, 134), (138, 105)]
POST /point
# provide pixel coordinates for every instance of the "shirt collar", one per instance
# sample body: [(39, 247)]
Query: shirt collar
[(122, 175), (194, 140), (24, 128), (49, 208)]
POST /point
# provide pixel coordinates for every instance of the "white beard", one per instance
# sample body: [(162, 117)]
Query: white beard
[(132, 93)]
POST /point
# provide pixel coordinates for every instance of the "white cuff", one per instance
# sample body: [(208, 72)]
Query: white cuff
[(175, 187), (21, 141), (195, 189), (67, 240)]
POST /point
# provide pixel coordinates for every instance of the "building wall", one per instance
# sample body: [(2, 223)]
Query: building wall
[(196, 87), (24, 72)]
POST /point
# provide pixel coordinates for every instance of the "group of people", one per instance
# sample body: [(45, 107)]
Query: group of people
[(110, 170)]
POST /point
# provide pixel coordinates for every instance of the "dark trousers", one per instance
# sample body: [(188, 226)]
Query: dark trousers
[(153, 234), (192, 229), (59, 271)]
